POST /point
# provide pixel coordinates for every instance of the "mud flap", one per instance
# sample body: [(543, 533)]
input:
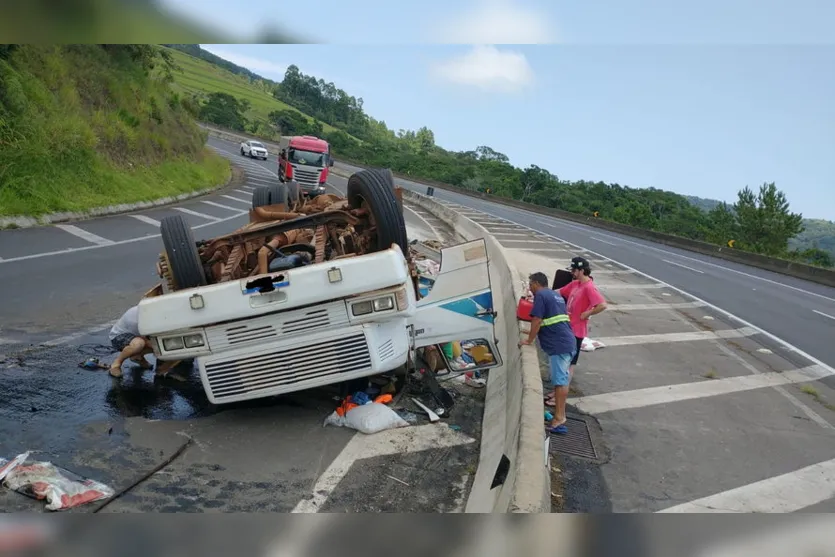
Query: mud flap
[(459, 309)]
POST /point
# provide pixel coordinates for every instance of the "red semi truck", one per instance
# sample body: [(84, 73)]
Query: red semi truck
[(306, 160)]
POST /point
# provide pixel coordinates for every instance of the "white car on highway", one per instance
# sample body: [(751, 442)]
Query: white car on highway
[(254, 149)]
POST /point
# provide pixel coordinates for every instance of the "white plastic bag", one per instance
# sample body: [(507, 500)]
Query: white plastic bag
[(590, 345), (372, 418), (6, 466), (43, 480)]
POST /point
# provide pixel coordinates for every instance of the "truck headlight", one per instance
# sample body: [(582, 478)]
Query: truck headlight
[(194, 340), (173, 343), (383, 304), (362, 308)]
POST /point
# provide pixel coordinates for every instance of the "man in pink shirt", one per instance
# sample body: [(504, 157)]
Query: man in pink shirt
[(582, 301)]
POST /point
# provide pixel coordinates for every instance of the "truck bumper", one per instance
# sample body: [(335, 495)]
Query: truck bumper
[(315, 360)]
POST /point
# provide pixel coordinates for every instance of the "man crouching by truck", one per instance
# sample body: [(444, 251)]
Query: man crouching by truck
[(126, 340)]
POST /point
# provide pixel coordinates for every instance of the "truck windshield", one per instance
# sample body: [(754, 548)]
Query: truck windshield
[(308, 158)]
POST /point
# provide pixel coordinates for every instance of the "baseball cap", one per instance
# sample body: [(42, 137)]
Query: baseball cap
[(580, 263)]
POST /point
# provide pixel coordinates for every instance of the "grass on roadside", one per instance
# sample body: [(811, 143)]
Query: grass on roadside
[(85, 184)]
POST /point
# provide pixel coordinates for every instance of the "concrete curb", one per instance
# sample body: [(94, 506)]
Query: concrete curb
[(56, 218), (513, 408)]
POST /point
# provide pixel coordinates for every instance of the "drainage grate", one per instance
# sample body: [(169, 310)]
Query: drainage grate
[(577, 442)]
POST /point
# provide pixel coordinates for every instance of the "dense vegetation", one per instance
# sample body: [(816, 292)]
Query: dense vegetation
[(760, 221), (83, 126)]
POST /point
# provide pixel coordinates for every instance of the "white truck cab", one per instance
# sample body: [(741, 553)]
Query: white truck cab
[(323, 323)]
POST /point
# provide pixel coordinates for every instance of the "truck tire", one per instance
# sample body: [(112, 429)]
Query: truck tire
[(261, 197), (375, 187), (279, 194), (184, 262), (293, 191)]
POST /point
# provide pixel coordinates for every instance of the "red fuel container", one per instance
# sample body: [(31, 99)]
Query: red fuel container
[(523, 310)]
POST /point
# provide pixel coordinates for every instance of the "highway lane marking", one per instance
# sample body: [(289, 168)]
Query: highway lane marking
[(146, 220), (244, 192), (238, 199), (716, 308), (250, 188), (640, 307), (385, 443), (116, 243), (83, 234), (196, 214), (786, 493), (641, 398), (683, 266), (79, 334), (824, 314), (701, 262), (213, 204), (601, 241), (689, 336)]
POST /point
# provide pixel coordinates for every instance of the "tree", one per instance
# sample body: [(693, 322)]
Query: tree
[(722, 225), (224, 110), (765, 222)]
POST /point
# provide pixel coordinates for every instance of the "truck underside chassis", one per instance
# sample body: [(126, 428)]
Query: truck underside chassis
[(287, 230)]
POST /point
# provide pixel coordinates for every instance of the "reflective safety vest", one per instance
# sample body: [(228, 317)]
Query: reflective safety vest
[(554, 320)]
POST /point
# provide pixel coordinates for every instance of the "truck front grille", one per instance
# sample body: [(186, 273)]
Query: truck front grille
[(251, 374), (267, 327), (307, 178)]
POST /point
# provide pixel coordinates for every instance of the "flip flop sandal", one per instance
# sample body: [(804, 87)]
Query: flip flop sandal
[(561, 429), (550, 403)]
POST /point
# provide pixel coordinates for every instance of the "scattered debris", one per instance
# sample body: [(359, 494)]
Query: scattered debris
[(433, 417), (395, 479), (590, 345), (361, 413), (59, 487)]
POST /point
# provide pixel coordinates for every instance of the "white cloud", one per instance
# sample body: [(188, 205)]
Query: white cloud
[(262, 67), (495, 22), (486, 67)]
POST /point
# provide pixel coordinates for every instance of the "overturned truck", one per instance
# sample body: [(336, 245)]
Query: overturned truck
[(310, 292)]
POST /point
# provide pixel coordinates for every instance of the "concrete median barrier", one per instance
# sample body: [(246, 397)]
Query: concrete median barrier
[(513, 444)]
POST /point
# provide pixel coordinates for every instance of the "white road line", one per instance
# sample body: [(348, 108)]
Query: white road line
[(146, 220), (824, 314), (716, 308), (79, 334), (213, 204), (640, 398), (500, 233), (701, 262), (250, 188), (683, 266), (640, 307), (527, 241), (83, 234), (786, 493), (239, 200), (244, 192), (389, 442), (689, 336), (196, 214), (623, 286), (116, 243), (601, 241)]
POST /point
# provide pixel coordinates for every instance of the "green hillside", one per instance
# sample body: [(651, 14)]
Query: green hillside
[(200, 78), (85, 126)]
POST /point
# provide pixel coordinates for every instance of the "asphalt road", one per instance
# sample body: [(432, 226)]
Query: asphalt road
[(798, 312)]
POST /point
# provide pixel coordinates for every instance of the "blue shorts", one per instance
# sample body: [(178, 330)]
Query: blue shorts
[(559, 364)]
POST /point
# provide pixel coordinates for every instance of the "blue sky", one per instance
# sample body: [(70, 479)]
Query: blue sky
[(664, 98)]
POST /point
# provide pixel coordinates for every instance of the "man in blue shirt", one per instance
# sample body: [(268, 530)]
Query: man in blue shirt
[(550, 324)]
